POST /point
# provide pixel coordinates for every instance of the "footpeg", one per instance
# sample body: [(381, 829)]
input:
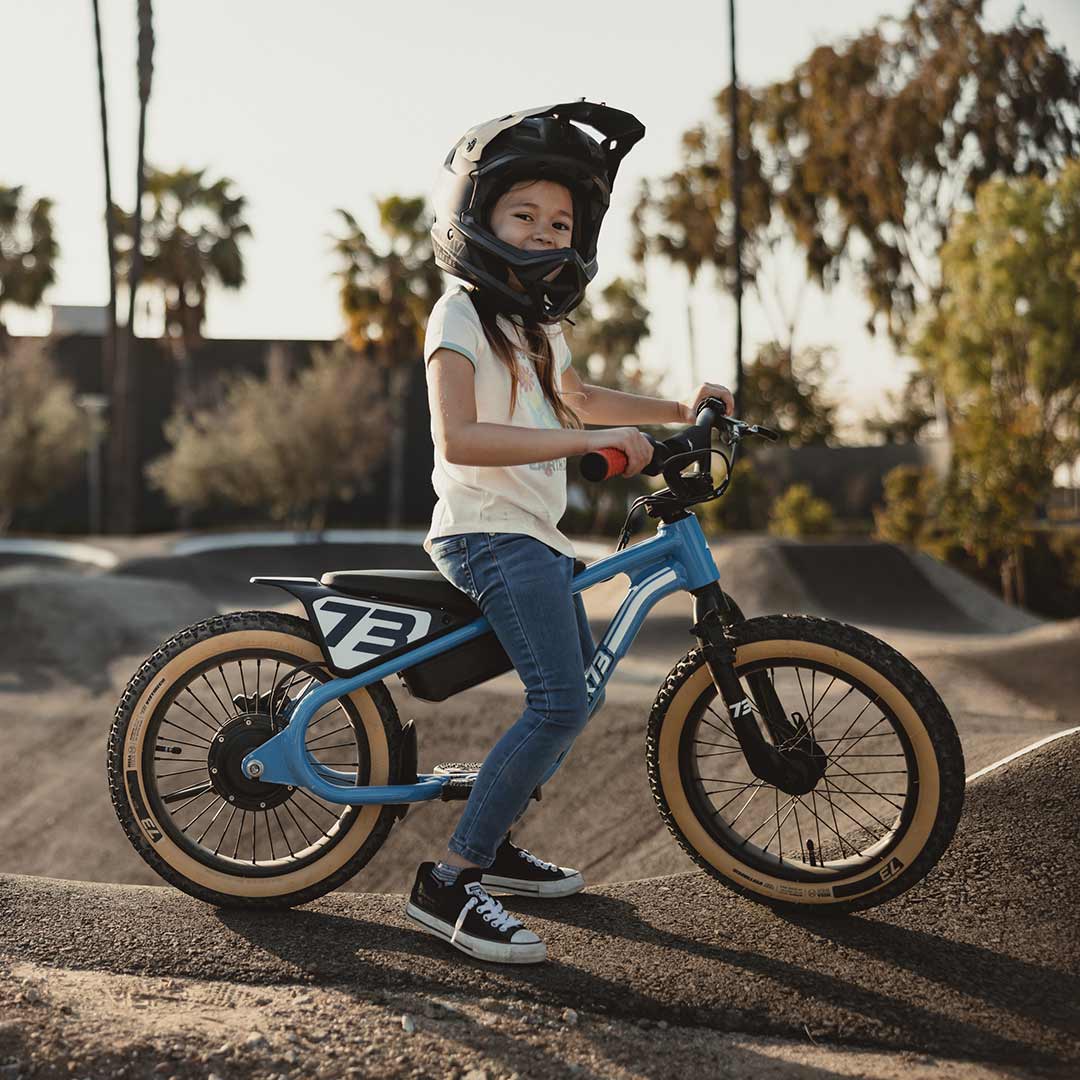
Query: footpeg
[(462, 777)]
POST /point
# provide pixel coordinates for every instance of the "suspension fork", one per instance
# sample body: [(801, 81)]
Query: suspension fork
[(797, 768)]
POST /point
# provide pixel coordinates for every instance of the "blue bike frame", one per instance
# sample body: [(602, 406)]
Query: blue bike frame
[(677, 558)]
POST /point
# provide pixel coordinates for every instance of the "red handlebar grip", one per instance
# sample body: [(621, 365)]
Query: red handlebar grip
[(616, 461)]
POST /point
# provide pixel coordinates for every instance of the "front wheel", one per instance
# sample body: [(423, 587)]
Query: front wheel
[(190, 715), (877, 820)]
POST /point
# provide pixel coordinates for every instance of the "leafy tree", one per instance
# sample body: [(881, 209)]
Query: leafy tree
[(866, 150), (386, 294), (42, 433), (687, 217), (252, 448), (798, 512), (909, 412), (870, 145), (1005, 345), (28, 250), (191, 235), (787, 395), (908, 514)]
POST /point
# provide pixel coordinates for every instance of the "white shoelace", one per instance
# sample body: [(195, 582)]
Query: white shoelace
[(486, 906), (537, 862)]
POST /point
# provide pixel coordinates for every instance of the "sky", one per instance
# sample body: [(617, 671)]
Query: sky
[(336, 103)]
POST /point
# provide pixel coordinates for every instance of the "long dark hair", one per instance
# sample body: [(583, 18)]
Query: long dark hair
[(534, 340), (537, 346)]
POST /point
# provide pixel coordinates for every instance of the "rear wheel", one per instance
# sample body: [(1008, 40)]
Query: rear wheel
[(877, 820), (204, 700)]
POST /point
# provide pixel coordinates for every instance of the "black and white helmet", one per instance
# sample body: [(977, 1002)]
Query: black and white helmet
[(550, 143)]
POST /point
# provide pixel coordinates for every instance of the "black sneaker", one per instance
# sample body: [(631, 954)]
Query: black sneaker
[(464, 915), (518, 871)]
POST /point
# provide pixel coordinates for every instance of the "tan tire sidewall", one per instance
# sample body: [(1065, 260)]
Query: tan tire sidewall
[(164, 847), (751, 878)]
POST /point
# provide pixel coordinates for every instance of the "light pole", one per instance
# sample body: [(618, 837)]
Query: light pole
[(95, 406), (736, 198)]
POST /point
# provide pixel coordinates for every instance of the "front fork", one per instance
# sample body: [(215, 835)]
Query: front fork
[(789, 758)]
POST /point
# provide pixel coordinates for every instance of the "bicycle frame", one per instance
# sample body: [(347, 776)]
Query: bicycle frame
[(677, 558)]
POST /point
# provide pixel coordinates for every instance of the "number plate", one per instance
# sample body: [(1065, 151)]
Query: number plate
[(358, 631)]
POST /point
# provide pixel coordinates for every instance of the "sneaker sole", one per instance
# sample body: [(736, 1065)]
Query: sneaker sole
[(546, 889), (479, 948)]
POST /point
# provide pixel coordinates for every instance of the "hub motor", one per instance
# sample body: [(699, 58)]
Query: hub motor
[(233, 742)]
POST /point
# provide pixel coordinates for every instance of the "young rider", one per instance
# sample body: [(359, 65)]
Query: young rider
[(517, 216)]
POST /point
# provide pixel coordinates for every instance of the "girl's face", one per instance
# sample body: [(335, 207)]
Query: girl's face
[(535, 215)]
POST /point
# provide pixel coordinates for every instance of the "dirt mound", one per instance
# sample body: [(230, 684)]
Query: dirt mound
[(57, 626), (981, 960), (224, 572), (871, 583)]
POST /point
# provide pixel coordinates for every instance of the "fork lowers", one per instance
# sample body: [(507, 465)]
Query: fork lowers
[(792, 761)]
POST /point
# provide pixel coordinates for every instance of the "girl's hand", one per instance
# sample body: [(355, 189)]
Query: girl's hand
[(629, 440), (707, 390)]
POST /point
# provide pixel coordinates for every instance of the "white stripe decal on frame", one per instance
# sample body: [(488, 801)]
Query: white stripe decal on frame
[(647, 588)]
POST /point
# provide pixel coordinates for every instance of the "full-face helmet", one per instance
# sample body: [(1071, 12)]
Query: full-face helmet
[(578, 144)]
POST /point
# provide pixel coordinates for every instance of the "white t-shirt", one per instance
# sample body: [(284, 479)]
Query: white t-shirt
[(527, 499)]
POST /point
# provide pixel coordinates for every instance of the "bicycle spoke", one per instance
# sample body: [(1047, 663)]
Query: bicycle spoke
[(861, 824), (863, 736), (193, 716), (759, 786), (720, 809), (281, 829), (221, 839), (208, 806), (821, 821), (230, 713)]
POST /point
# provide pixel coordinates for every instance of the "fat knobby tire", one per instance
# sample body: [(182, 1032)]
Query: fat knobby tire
[(892, 666), (255, 621)]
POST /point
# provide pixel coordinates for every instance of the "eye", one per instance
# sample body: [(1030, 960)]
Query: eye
[(562, 225), (524, 217)]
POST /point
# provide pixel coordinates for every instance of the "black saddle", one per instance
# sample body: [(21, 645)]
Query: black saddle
[(423, 588)]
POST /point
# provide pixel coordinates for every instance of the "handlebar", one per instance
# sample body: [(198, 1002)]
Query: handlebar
[(604, 464)]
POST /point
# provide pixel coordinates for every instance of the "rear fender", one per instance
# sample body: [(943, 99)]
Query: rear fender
[(357, 632)]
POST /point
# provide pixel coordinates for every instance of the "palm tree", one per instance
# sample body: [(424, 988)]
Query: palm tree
[(28, 251), (386, 297), (191, 237)]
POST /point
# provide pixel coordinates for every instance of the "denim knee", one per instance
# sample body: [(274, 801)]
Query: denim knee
[(566, 710)]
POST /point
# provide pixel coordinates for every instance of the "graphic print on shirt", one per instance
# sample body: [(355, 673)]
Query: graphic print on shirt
[(531, 400)]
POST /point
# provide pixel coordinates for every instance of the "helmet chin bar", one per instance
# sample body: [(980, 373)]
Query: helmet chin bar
[(544, 301)]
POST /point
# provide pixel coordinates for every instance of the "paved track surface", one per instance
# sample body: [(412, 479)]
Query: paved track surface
[(981, 961)]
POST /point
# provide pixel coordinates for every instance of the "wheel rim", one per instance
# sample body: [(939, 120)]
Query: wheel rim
[(854, 817), (214, 715)]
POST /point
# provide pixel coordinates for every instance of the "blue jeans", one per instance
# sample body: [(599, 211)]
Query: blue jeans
[(523, 588)]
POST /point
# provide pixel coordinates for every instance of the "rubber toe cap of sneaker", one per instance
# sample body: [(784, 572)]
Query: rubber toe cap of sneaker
[(524, 937)]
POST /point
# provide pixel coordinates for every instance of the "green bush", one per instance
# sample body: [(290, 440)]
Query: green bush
[(284, 445), (43, 434), (798, 512)]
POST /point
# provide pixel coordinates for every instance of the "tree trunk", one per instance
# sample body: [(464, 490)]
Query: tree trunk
[(184, 398), (1020, 576)]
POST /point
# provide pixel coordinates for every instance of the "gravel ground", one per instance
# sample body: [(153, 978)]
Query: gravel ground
[(975, 973), (981, 962)]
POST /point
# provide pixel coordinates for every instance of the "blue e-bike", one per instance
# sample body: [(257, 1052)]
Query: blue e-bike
[(258, 760)]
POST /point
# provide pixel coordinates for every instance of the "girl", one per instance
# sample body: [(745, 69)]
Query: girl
[(517, 216)]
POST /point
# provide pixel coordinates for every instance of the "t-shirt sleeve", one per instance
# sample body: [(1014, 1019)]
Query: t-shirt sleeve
[(454, 325)]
